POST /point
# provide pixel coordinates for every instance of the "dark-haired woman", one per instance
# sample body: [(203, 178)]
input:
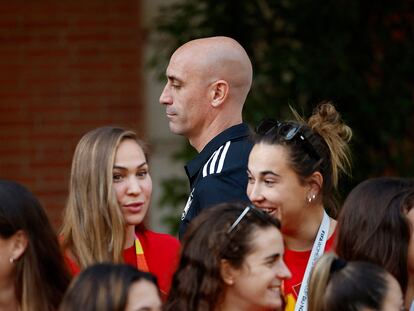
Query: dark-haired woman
[(352, 286), (33, 275), (376, 224), (293, 174), (109, 287), (232, 259)]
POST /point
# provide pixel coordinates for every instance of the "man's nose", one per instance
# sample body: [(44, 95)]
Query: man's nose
[(165, 98)]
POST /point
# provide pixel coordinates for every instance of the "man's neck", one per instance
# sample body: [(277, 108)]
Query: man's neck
[(216, 127)]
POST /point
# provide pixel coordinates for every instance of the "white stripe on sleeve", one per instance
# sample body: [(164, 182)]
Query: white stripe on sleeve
[(223, 157), (213, 162), (206, 165)]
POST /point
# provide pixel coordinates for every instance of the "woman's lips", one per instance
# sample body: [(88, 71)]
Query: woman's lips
[(134, 207), (272, 211)]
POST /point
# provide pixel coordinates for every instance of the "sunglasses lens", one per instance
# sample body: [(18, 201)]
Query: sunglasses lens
[(288, 131), (266, 126)]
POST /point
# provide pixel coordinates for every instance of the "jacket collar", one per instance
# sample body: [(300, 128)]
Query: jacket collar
[(232, 133)]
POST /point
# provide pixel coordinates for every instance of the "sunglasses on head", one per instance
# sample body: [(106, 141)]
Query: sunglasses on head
[(249, 208), (288, 131)]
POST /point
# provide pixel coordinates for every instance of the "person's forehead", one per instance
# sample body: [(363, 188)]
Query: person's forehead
[(266, 242), (143, 293), (194, 55), (182, 66)]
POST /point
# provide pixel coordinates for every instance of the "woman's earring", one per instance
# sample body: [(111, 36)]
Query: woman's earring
[(311, 198), (11, 259)]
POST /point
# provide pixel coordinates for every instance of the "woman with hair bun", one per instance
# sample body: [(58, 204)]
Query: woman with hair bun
[(352, 286), (293, 174)]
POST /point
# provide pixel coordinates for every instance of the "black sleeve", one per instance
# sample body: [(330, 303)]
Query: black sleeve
[(215, 189)]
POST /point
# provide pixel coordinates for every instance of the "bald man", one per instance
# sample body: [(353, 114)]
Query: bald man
[(208, 81)]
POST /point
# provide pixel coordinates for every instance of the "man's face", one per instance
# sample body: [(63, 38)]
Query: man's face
[(185, 95)]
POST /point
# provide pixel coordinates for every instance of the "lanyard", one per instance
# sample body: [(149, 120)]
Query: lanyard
[(141, 261), (317, 251)]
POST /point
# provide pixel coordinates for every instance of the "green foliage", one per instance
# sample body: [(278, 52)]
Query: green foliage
[(357, 53), (175, 192)]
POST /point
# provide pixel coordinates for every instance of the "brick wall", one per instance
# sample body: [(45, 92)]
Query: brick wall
[(66, 67)]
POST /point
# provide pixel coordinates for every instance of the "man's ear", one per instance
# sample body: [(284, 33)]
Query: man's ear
[(219, 92), (19, 244), (228, 273)]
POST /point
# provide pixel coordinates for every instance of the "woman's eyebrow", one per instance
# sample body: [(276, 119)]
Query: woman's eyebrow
[(124, 168), (268, 173)]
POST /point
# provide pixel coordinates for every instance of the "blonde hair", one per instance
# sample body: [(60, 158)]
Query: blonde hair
[(93, 227), (343, 286), (329, 136), (318, 282), (327, 122)]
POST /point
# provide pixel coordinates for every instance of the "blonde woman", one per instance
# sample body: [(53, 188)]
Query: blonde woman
[(109, 195)]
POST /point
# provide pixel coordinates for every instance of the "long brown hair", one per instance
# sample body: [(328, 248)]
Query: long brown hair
[(93, 227), (41, 277), (373, 226), (197, 284), (103, 287)]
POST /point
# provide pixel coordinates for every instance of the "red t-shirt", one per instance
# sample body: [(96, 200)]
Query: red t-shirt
[(297, 261), (161, 252)]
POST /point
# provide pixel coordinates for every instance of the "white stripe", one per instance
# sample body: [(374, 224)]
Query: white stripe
[(213, 162), (222, 157), (317, 251), (206, 165)]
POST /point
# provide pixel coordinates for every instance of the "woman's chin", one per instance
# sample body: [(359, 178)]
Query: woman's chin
[(133, 220)]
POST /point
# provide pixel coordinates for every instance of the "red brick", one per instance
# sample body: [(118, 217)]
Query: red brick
[(44, 22), (66, 67), (47, 53), (15, 39)]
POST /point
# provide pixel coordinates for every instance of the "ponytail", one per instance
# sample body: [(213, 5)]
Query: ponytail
[(327, 122)]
